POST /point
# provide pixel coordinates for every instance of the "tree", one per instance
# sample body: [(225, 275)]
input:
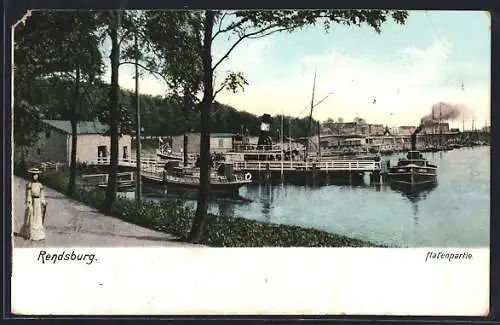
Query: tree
[(123, 27), (81, 43), (58, 45), (359, 120), (178, 41), (114, 113), (250, 25)]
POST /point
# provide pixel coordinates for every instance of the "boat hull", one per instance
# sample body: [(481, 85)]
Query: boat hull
[(230, 189), (412, 176), (179, 187)]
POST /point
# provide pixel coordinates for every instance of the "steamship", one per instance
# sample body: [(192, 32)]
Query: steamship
[(224, 182), (414, 170), (177, 179), (265, 150)]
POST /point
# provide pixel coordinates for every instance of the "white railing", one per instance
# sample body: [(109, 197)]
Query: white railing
[(103, 178), (145, 162), (51, 165), (337, 165)]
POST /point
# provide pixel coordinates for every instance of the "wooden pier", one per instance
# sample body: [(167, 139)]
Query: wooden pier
[(326, 165), (294, 171), (304, 172)]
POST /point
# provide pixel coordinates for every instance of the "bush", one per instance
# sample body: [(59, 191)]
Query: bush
[(175, 219)]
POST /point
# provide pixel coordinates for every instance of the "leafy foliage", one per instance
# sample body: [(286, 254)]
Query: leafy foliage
[(160, 116), (28, 122), (49, 50), (174, 38)]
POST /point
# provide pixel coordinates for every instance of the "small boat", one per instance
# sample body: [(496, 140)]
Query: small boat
[(414, 170), (168, 155)]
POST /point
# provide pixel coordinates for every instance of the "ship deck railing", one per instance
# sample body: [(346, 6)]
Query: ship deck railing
[(326, 165), (158, 175), (196, 180)]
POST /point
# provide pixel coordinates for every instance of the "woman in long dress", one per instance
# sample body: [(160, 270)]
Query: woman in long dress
[(35, 204)]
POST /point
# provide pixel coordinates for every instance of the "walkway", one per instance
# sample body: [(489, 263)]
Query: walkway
[(72, 224)]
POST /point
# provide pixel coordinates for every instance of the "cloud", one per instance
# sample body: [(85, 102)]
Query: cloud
[(438, 50), (405, 84)]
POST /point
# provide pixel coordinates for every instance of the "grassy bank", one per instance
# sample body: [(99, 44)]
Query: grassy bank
[(174, 218)]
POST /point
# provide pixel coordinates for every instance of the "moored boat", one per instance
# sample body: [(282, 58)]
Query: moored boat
[(177, 179), (414, 170), (168, 155)]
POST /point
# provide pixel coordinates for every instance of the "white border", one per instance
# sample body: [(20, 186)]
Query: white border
[(305, 281)]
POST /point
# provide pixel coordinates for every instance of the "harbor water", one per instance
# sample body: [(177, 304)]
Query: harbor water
[(456, 213)]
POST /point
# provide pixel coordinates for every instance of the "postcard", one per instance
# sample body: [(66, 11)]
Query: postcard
[(251, 162)]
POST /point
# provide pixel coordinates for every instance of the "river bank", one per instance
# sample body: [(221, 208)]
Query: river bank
[(70, 223), (456, 213), (222, 231)]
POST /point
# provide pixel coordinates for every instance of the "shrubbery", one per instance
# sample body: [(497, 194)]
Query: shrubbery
[(173, 218)]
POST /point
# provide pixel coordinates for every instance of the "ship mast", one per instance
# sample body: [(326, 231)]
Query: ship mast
[(310, 117), (282, 146), (440, 129)]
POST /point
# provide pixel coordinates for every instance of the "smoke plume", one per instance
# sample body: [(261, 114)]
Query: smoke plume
[(443, 112)]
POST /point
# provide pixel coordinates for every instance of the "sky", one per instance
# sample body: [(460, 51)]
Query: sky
[(392, 78)]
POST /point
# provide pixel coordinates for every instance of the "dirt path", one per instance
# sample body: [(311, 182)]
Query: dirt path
[(72, 224)]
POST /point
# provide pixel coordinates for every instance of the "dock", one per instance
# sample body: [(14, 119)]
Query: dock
[(322, 171), (326, 165), (295, 171)]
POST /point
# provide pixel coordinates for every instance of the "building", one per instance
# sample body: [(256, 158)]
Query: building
[(325, 129), (219, 142), (352, 128), (375, 129), (344, 128), (54, 143), (436, 128), (406, 130)]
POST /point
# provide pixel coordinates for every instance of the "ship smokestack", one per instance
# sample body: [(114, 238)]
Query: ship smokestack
[(414, 137)]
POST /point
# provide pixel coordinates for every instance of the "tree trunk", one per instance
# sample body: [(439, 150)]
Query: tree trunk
[(74, 135), (200, 220), (185, 110), (114, 112), (185, 149)]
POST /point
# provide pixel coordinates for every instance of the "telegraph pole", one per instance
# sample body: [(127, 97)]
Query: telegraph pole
[(138, 191)]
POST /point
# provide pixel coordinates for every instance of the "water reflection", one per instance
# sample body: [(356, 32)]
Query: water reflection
[(415, 195), (378, 212), (266, 198), (225, 207), (265, 195)]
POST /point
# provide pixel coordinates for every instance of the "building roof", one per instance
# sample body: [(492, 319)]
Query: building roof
[(222, 135), (348, 124), (83, 127)]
